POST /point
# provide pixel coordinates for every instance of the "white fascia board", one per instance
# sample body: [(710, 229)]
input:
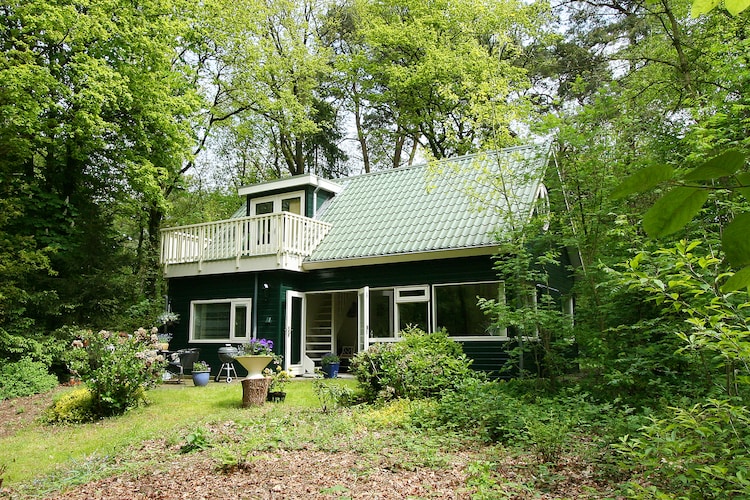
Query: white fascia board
[(295, 182)]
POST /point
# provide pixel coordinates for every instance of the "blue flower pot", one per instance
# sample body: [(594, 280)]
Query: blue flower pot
[(331, 370), (201, 379)]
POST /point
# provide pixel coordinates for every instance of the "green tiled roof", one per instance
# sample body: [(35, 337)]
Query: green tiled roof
[(444, 205)]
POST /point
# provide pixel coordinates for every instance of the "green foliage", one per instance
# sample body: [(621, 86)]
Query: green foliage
[(329, 359), (681, 204), (686, 282), (332, 395), (531, 308), (511, 414), (25, 377), (201, 366), (735, 7), (195, 441), (116, 367), (420, 365), (700, 452), (73, 407)]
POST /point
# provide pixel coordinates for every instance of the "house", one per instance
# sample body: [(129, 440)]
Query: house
[(323, 266)]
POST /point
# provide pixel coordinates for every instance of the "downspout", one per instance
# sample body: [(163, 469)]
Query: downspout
[(315, 199), (254, 310)]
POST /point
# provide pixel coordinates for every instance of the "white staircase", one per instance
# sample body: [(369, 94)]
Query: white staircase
[(319, 338)]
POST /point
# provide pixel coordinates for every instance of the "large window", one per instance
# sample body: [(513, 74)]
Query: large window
[(220, 320), (457, 311), (430, 308)]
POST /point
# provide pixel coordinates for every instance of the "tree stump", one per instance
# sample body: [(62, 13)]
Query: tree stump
[(254, 391)]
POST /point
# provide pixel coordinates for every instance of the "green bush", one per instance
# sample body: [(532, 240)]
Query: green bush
[(117, 368), (699, 452), (484, 409), (420, 365), (73, 407), (25, 377), (497, 411)]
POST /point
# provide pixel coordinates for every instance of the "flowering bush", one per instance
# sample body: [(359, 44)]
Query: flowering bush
[(279, 378), (116, 367)]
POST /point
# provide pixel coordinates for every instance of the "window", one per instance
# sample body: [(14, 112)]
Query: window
[(220, 320), (293, 205), (264, 208), (287, 202), (381, 313), (457, 311), (451, 306), (412, 307)]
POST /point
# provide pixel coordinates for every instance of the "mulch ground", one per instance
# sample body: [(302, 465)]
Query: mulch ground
[(297, 474)]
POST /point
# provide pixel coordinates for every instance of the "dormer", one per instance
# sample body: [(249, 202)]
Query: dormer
[(301, 195)]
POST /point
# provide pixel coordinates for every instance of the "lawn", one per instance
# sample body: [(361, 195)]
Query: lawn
[(284, 450)]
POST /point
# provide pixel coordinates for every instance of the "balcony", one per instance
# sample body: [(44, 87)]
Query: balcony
[(258, 243)]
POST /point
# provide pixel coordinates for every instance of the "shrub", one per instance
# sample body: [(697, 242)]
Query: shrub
[(420, 365), (485, 409), (73, 407), (496, 411), (697, 452), (25, 377), (117, 368)]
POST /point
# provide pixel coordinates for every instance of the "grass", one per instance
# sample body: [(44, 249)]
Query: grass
[(211, 421), (43, 450)]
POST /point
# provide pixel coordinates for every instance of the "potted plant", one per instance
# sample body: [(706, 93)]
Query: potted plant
[(279, 379), (163, 340), (330, 363), (168, 318), (255, 356), (201, 373)]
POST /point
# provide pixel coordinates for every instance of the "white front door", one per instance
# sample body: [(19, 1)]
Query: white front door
[(363, 318), (294, 332)]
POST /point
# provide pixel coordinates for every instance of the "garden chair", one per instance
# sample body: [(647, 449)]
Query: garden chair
[(182, 361)]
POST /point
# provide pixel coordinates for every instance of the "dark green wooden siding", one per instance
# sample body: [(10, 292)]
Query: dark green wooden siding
[(403, 274), (269, 302)]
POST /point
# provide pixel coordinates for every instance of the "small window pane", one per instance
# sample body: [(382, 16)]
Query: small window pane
[(211, 321), (292, 205), (412, 314), (264, 208), (381, 313), (240, 320)]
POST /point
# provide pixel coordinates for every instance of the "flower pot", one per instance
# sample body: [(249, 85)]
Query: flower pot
[(331, 370), (201, 379), (276, 396), (254, 364)]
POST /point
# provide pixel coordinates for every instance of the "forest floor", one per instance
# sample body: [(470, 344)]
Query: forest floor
[(313, 474)]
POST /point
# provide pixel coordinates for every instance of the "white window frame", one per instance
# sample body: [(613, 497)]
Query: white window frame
[(232, 334), (482, 338), (400, 298), (277, 199)]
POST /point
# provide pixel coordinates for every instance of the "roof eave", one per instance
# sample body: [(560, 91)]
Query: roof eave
[(370, 260), (296, 181)]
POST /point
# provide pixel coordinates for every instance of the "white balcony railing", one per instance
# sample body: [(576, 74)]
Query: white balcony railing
[(272, 234)]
